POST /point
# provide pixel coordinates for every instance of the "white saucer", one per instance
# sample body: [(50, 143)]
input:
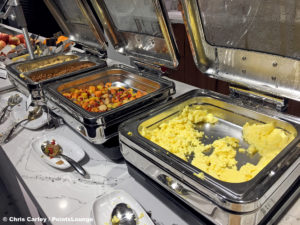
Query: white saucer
[(69, 148)]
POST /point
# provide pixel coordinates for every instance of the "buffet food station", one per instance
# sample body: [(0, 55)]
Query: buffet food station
[(199, 158)]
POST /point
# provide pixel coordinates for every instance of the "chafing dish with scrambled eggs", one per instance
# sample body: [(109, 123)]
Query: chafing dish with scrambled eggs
[(204, 143)]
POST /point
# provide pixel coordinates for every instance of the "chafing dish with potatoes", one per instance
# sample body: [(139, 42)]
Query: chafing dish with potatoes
[(94, 103), (217, 154)]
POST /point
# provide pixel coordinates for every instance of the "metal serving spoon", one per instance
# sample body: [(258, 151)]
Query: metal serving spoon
[(73, 163), (125, 215), (11, 102), (32, 115)]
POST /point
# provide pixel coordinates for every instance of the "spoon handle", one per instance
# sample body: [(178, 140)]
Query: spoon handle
[(13, 129), (75, 165), (3, 112)]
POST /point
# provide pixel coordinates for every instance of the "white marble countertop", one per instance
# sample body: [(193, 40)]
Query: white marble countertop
[(61, 194)]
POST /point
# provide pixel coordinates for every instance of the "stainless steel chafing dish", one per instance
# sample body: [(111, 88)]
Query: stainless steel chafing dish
[(20, 73), (260, 82), (99, 127), (149, 45), (215, 199)]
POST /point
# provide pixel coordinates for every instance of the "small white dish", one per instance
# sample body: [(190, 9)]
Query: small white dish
[(69, 148), (104, 205)]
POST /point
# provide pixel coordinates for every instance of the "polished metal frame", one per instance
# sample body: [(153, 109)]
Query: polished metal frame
[(222, 203), (122, 40), (104, 125), (92, 23), (272, 74)]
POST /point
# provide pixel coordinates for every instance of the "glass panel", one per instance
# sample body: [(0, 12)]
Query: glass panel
[(271, 26), (136, 16), (76, 22)]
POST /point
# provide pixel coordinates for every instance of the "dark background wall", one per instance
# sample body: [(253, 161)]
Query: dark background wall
[(38, 17)]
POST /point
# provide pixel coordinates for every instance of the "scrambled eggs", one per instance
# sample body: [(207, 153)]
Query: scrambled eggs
[(180, 137)]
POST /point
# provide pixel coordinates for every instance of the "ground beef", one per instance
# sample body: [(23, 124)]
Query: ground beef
[(59, 70)]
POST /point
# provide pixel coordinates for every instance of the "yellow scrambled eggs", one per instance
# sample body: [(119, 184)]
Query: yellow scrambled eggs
[(180, 137)]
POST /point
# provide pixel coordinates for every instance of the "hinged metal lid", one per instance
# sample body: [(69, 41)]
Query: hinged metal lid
[(251, 43), (77, 21), (139, 29)]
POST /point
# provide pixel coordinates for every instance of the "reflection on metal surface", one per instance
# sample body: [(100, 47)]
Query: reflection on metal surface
[(244, 203), (257, 100), (140, 31), (248, 194), (45, 62), (120, 77), (187, 194), (192, 23), (77, 21), (99, 127), (50, 64), (230, 123), (244, 65)]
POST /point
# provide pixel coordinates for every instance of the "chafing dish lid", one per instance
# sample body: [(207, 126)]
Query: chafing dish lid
[(77, 21), (139, 29), (251, 43)]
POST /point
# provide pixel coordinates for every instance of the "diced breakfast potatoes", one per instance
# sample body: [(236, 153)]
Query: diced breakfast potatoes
[(102, 97)]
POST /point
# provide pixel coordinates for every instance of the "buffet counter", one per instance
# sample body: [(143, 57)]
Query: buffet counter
[(64, 197)]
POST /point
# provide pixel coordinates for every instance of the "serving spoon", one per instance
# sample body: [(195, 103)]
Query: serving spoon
[(11, 102), (32, 115), (123, 215), (73, 163)]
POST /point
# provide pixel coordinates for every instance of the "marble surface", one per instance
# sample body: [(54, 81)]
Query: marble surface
[(64, 194)]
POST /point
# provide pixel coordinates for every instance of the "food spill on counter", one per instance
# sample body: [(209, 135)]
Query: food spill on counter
[(38, 64), (102, 97), (179, 136), (59, 70)]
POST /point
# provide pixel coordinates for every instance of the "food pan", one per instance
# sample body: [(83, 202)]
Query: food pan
[(180, 177), (43, 62), (98, 127), (21, 79)]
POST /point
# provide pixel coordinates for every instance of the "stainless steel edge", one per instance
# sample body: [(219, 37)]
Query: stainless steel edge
[(214, 197), (251, 204), (255, 70), (19, 84), (98, 64), (100, 117), (91, 20), (13, 71), (279, 189), (79, 127), (14, 66), (167, 31), (201, 203), (142, 47)]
